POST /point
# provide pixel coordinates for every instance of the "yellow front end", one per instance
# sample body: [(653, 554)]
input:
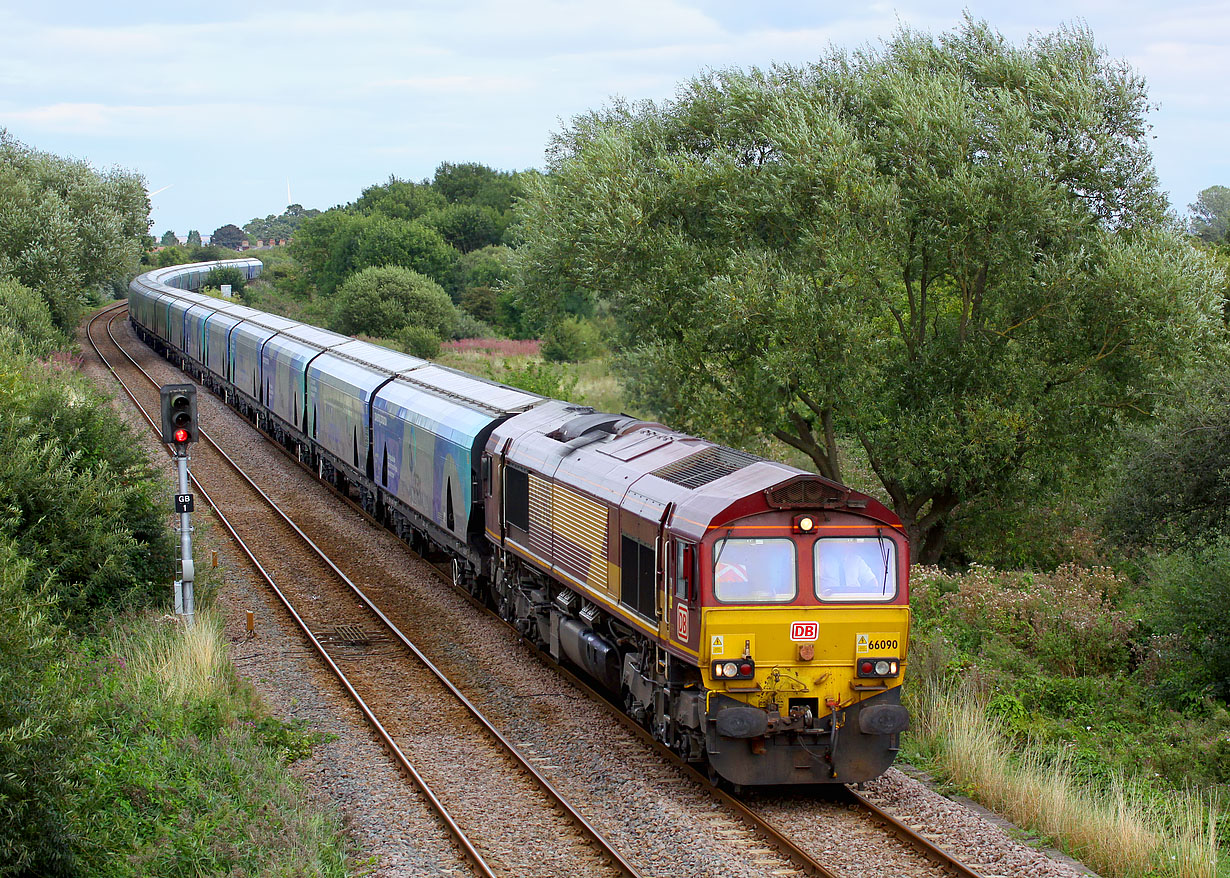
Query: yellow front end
[(806, 681)]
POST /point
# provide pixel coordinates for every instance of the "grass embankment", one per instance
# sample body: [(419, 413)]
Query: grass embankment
[(181, 771), (1118, 828), (1024, 698)]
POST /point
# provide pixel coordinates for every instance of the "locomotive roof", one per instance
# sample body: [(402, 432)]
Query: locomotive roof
[(644, 467)]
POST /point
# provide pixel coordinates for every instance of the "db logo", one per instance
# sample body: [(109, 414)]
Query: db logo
[(804, 632), (681, 622)]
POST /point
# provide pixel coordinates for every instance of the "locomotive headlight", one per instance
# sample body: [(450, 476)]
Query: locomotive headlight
[(744, 669), (804, 524), (882, 668)]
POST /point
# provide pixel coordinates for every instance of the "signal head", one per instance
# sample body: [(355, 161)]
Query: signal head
[(179, 426)]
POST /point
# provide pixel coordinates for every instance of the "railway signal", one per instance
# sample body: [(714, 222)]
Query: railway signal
[(178, 415), (179, 430)]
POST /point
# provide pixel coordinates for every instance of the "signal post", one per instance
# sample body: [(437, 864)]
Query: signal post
[(179, 430)]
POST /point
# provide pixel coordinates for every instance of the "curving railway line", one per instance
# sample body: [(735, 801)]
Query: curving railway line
[(372, 658), (334, 614)]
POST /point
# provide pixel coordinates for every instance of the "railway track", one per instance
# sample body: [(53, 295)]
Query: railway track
[(937, 857), (488, 838), (333, 638)]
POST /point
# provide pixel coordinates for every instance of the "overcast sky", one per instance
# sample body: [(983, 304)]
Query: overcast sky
[(221, 105)]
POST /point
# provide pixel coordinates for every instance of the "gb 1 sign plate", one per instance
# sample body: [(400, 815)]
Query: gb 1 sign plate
[(183, 503)]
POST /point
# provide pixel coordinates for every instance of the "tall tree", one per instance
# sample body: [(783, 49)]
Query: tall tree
[(229, 236), (1210, 214), (66, 230), (194, 238), (168, 239), (950, 250)]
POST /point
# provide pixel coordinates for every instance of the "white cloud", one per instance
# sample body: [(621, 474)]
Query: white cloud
[(460, 84), (181, 121)]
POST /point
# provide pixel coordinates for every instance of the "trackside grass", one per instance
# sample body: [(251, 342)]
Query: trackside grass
[(181, 773), (1112, 827)]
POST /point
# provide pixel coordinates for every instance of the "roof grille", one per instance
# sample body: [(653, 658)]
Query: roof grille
[(705, 466)]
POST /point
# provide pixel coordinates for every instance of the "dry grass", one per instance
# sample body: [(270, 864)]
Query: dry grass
[(1113, 831), (188, 663)]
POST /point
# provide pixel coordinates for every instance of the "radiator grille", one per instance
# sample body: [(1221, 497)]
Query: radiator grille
[(580, 536), (705, 466), (806, 492)]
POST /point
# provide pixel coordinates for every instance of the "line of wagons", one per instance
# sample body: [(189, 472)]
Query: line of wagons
[(751, 615)]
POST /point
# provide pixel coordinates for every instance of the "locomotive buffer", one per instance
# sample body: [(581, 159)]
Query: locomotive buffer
[(179, 430)]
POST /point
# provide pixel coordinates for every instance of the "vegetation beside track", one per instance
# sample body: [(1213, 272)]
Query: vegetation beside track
[(128, 745)]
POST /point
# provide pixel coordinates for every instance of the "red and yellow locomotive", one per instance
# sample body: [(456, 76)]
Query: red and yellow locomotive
[(750, 614)]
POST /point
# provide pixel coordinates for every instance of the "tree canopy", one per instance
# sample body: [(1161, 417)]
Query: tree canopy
[(382, 301), (1210, 214), (66, 230), (431, 227), (951, 251), (229, 236), (279, 227)]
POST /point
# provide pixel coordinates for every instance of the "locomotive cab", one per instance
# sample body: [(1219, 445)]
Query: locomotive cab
[(796, 605), (805, 626)]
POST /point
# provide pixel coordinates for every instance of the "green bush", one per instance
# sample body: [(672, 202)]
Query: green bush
[(419, 341), (480, 302), (77, 496), (26, 326), (381, 301), (541, 378), (572, 340), (1172, 487), (469, 326), (1192, 597), (1067, 621), (36, 724), (228, 274)]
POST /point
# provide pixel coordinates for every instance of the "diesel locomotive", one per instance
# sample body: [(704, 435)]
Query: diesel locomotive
[(753, 616)]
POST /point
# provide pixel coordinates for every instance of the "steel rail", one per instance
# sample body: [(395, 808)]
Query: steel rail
[(540, 780), (919, 842)]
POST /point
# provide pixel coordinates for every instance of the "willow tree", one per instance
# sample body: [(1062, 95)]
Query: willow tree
[(951, 250), (66, 230)]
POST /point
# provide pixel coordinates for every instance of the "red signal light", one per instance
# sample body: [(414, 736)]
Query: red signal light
[(867, 667), (180, 435)]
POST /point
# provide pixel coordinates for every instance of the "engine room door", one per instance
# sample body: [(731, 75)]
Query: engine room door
[(683, 590)]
